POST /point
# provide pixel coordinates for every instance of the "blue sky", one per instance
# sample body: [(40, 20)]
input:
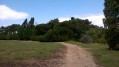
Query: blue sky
[(15, 11)]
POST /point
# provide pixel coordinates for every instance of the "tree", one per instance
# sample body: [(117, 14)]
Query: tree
[(53, 22), (23, 31), (12, 31), (111, 21), (31, 27), (41, 29), (27, 30), (78, 26), (3, 33), (31, 23), (96, 33)]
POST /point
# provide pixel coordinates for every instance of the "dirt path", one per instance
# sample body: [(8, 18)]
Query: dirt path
[(77, 57)]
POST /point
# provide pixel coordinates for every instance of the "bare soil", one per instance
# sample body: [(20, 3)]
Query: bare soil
[(77, 56)]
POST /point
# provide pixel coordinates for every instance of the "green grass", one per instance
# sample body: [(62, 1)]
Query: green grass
[(26, 50), (103, 56)]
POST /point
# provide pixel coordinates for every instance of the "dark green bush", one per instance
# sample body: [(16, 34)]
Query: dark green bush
[(34, 38), (3, 37), (41, 38), (52, 36), (12, 37)]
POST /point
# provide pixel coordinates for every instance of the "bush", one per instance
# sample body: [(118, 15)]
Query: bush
[(101, 40), (34, 38), (12, 37), (52, 36), (86, 39), (41, 38), (3, 37)]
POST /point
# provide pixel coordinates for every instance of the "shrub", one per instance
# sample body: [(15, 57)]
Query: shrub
[(34, 38), (52, 36), (86, 39), (12, 37), (3, 37), (41, 38)]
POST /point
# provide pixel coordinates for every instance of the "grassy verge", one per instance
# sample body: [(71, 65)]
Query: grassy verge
[(103, 56), (26, 50)]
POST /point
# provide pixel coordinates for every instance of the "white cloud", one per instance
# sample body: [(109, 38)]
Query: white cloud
[(61, 19), (7, 13), (96, 19)]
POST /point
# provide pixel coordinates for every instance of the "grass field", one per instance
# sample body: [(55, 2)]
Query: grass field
[(103, 56), (26, 50)]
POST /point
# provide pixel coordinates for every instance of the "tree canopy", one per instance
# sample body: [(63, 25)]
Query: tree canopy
[(111, 22)]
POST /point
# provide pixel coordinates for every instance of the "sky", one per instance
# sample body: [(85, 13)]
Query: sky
[(16, 11)]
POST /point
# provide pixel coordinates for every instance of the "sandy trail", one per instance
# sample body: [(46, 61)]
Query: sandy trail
[(77, 57)]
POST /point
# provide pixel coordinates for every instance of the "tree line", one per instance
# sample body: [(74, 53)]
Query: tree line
[(54, 31)]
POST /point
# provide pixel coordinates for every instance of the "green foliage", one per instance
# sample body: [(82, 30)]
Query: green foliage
[(58, 33), (9, 32), (12, 37), (96, 33), (53, 36), (22, 33), (31, 27), (41, 29), (111, 23), (52, 23), (26, 30), (3, 37), (78, 26), (86, 39), (53, 31), (12, 31), (112, 41), (34, 38)]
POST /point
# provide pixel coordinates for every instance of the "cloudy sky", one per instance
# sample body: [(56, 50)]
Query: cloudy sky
[(15, 11)]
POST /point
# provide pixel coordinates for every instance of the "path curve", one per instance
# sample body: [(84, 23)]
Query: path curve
[(77, 57)]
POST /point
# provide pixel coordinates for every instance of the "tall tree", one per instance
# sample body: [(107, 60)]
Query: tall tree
[(31, 27), (111, 22), (23, 31), (31, 23)]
